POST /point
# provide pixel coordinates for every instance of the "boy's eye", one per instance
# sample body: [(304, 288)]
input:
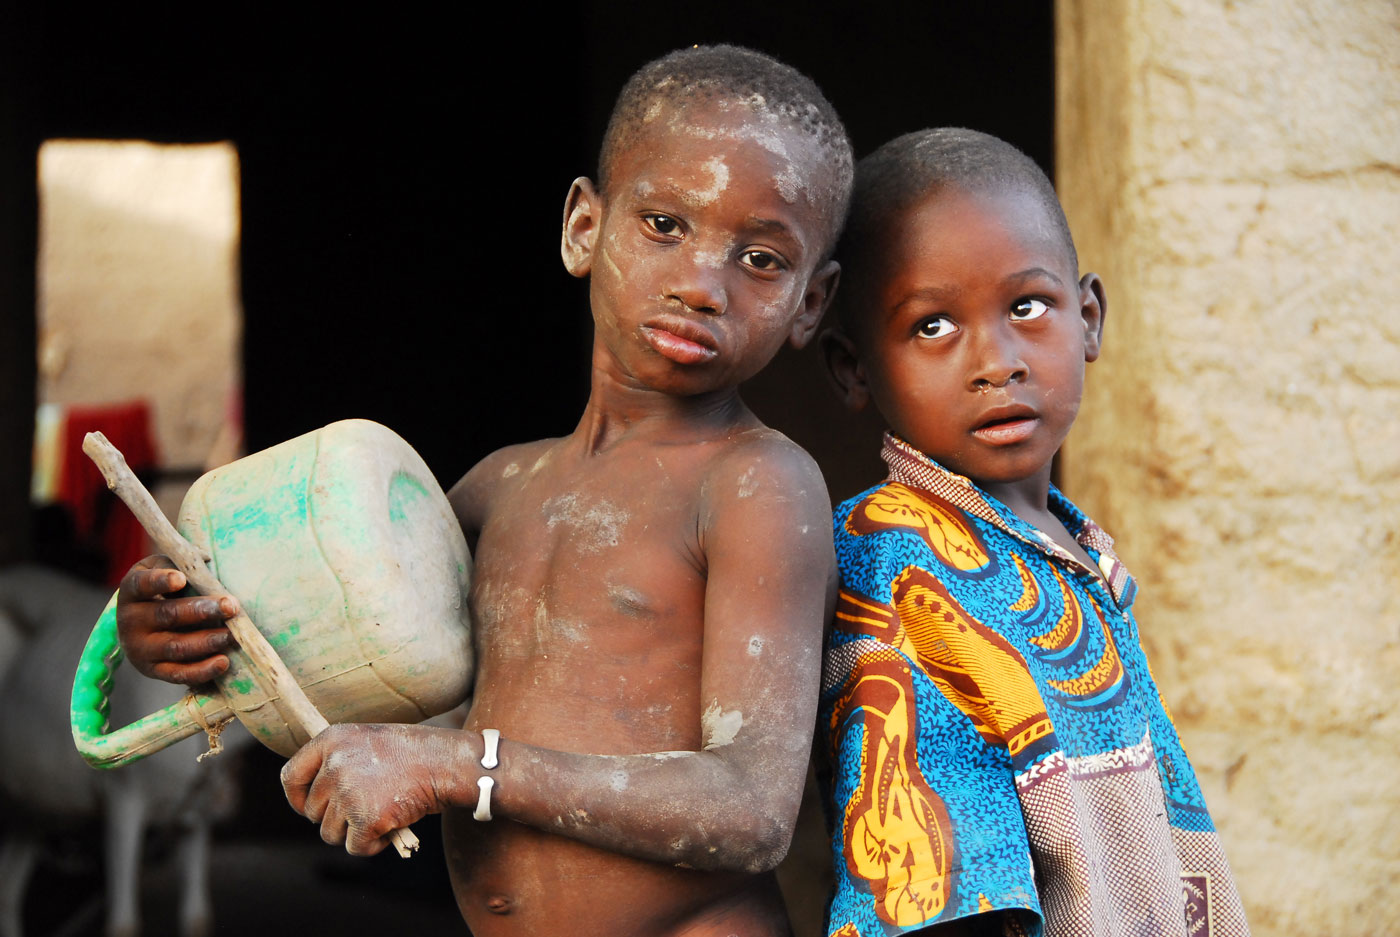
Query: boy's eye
[(1029, 309), (760, 260), (936, 327), (662, 224)]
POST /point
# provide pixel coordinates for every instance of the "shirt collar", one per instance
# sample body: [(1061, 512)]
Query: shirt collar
[(909, 466)]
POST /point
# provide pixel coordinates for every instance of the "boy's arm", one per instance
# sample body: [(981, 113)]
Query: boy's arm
[(766, 539), (472, 494)]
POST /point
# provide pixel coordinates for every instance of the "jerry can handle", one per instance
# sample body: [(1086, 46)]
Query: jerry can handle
[(91, 709)]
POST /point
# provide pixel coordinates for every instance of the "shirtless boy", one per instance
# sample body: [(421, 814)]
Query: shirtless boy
[(649, 591), (1002, 760)]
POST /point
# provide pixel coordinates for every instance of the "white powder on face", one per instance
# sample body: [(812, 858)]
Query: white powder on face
[(789, 184), (717, 256), (774, 136), (608, 264), (719, 174)]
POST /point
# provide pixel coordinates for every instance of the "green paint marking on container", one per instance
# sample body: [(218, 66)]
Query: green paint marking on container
[(404, 492), (284, 637), (242, 686)]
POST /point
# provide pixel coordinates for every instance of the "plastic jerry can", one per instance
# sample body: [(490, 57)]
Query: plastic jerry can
[(346, 555)]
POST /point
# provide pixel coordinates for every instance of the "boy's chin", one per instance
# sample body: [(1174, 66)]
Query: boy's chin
[(1000, 469), (997, 476)]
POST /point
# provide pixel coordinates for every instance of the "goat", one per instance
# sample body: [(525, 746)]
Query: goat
[(45, 618)]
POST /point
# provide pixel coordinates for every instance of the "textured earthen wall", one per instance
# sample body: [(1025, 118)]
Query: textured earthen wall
[(1233, 171), (138, 283)]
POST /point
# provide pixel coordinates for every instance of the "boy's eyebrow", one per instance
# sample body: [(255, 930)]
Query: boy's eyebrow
[(754, 223), (939, 294), (772, 226), (933, 294), (1031, 273), (766, 224)]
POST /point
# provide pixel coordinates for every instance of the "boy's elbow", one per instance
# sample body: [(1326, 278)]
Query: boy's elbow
[(769, 850), (755, 844)]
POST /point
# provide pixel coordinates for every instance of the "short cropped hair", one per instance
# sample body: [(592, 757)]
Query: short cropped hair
[(908, 168), (702, 74)]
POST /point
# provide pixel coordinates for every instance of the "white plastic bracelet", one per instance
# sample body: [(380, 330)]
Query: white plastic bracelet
[(491, 738), (483, 798)]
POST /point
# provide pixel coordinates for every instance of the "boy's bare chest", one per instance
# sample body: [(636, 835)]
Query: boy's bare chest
[(588, 595), (608, 538)]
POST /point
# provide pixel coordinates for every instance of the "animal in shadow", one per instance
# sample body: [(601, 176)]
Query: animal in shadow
[(47, 788)]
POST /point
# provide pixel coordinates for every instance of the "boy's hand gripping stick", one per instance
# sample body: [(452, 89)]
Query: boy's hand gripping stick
[(268, 669)]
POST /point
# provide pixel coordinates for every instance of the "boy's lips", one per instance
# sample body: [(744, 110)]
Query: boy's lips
[(680, 339), (1005, 426)]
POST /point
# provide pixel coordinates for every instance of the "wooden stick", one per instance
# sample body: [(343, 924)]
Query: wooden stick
[(268, 670)]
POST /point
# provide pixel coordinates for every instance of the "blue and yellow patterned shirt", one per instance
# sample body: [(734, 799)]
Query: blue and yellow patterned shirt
[(997, 742)]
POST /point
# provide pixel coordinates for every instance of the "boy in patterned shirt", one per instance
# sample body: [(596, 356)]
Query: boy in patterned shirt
[(1001, 759)]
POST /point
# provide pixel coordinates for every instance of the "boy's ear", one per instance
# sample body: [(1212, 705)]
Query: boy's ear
[(821, 289), (846, 371), (1093, 307), (582, 216)]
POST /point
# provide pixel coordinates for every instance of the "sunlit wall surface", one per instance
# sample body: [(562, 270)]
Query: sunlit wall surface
[(138, 284), (1232, 171)]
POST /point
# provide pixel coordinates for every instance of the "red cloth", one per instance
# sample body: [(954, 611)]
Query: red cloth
[(98, 517)]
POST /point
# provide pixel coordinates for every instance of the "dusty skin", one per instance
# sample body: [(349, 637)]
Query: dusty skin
[(650, 590)]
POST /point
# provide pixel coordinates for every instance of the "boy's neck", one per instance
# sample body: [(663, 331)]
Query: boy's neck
[(1028, 498), (617, 410)]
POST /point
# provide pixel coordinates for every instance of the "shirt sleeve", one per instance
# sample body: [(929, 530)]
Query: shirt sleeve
[(926, 823)]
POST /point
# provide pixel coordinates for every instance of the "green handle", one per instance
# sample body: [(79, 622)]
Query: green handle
[(90, 710)]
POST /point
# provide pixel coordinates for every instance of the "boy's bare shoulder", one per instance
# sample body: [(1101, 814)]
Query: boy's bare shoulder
[(762, 463), (474, 492)]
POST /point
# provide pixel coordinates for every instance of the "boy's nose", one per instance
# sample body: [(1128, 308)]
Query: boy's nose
[(996, 360), (698, 283)]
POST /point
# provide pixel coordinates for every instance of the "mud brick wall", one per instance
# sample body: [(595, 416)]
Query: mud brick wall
[(1233, 171)]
